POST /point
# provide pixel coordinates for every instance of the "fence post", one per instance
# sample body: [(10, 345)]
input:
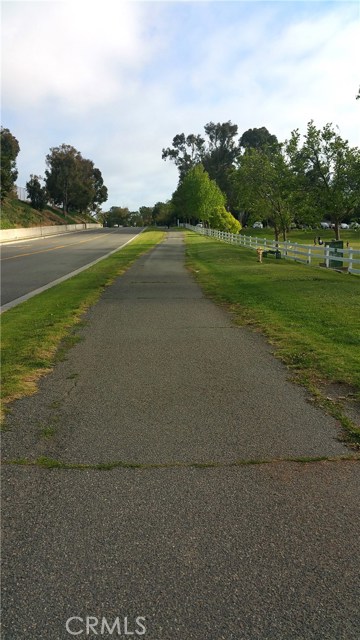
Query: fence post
[(327, 253), (350, 258), (309, 256)]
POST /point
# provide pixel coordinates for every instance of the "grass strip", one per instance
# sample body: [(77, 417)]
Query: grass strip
[(33, 331), (311, 315), (50, 463)]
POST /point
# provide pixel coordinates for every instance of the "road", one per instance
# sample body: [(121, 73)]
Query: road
[(26, 266), (192, 530)]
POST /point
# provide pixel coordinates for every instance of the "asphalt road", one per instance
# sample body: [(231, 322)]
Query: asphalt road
[(31, 264), (162, 378)]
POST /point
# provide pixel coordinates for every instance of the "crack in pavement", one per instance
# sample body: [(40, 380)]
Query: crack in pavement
[(49, 463)]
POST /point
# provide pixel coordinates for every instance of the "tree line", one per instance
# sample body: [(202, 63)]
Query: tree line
[(71, 181), (299, 181), (225, 180), (161, 214)]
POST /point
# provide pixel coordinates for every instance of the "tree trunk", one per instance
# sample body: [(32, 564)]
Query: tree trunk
[(337, 230)]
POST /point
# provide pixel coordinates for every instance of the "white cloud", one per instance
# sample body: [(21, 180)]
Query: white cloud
[(79, 54), (119, 80)]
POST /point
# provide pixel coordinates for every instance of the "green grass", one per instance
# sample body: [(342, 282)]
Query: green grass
[(16, 213), (35, 333), (312, 316), (306, 236)]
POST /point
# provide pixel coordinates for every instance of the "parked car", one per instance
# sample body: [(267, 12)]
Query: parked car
[(343, 225), (324, 225), (200, 225), (257, 225)]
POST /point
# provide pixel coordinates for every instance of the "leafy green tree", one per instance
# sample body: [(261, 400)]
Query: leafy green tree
[(258, 139), (101, 191), (329, 172), (82, 188), (163, 213), (87, 190), (117, 216), (146, 216), (198, 195), (216, 152), (73, 181), (186, 152), (222, 151), (266, 185), (9, 151), (61, 173), (223, 220), (37, 194), (199, 198)]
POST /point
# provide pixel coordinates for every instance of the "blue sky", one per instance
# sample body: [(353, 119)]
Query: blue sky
[(118, 80)]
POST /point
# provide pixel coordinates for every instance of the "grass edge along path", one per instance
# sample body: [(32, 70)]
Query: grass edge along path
[(50, 463), (36, 332), (309, 315)]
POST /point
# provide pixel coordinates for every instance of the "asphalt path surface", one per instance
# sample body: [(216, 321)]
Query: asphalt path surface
[(28, 265), (164, 379)]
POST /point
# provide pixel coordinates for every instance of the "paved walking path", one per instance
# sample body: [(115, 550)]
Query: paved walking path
[(163, 379)]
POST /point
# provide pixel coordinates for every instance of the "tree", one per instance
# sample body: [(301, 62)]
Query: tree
[(146, 216), (101, 192), (73, 181), (199, 198), (163, 213), (223, 220), (197, 195), (117, 216), (37, 194), (216, 152), (222, 150), (60, 175), (258, 139), (186, 152), (266, 186), (9, 151), (329, 170)]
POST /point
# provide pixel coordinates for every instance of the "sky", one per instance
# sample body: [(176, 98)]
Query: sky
[(118, 80)]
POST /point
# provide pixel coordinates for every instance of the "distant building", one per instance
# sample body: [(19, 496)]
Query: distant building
[(21, 194)]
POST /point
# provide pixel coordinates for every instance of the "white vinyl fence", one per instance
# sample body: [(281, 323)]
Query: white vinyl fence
[(346, 259)]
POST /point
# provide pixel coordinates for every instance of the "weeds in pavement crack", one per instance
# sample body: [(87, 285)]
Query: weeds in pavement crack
[(49, 463)]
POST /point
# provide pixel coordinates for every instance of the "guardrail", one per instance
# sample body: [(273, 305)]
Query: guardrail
[(346, 259)]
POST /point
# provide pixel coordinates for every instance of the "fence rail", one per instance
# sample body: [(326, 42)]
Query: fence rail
[(347, 259)]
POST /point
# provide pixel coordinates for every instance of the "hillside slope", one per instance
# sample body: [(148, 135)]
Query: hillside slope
[(18, 214)]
